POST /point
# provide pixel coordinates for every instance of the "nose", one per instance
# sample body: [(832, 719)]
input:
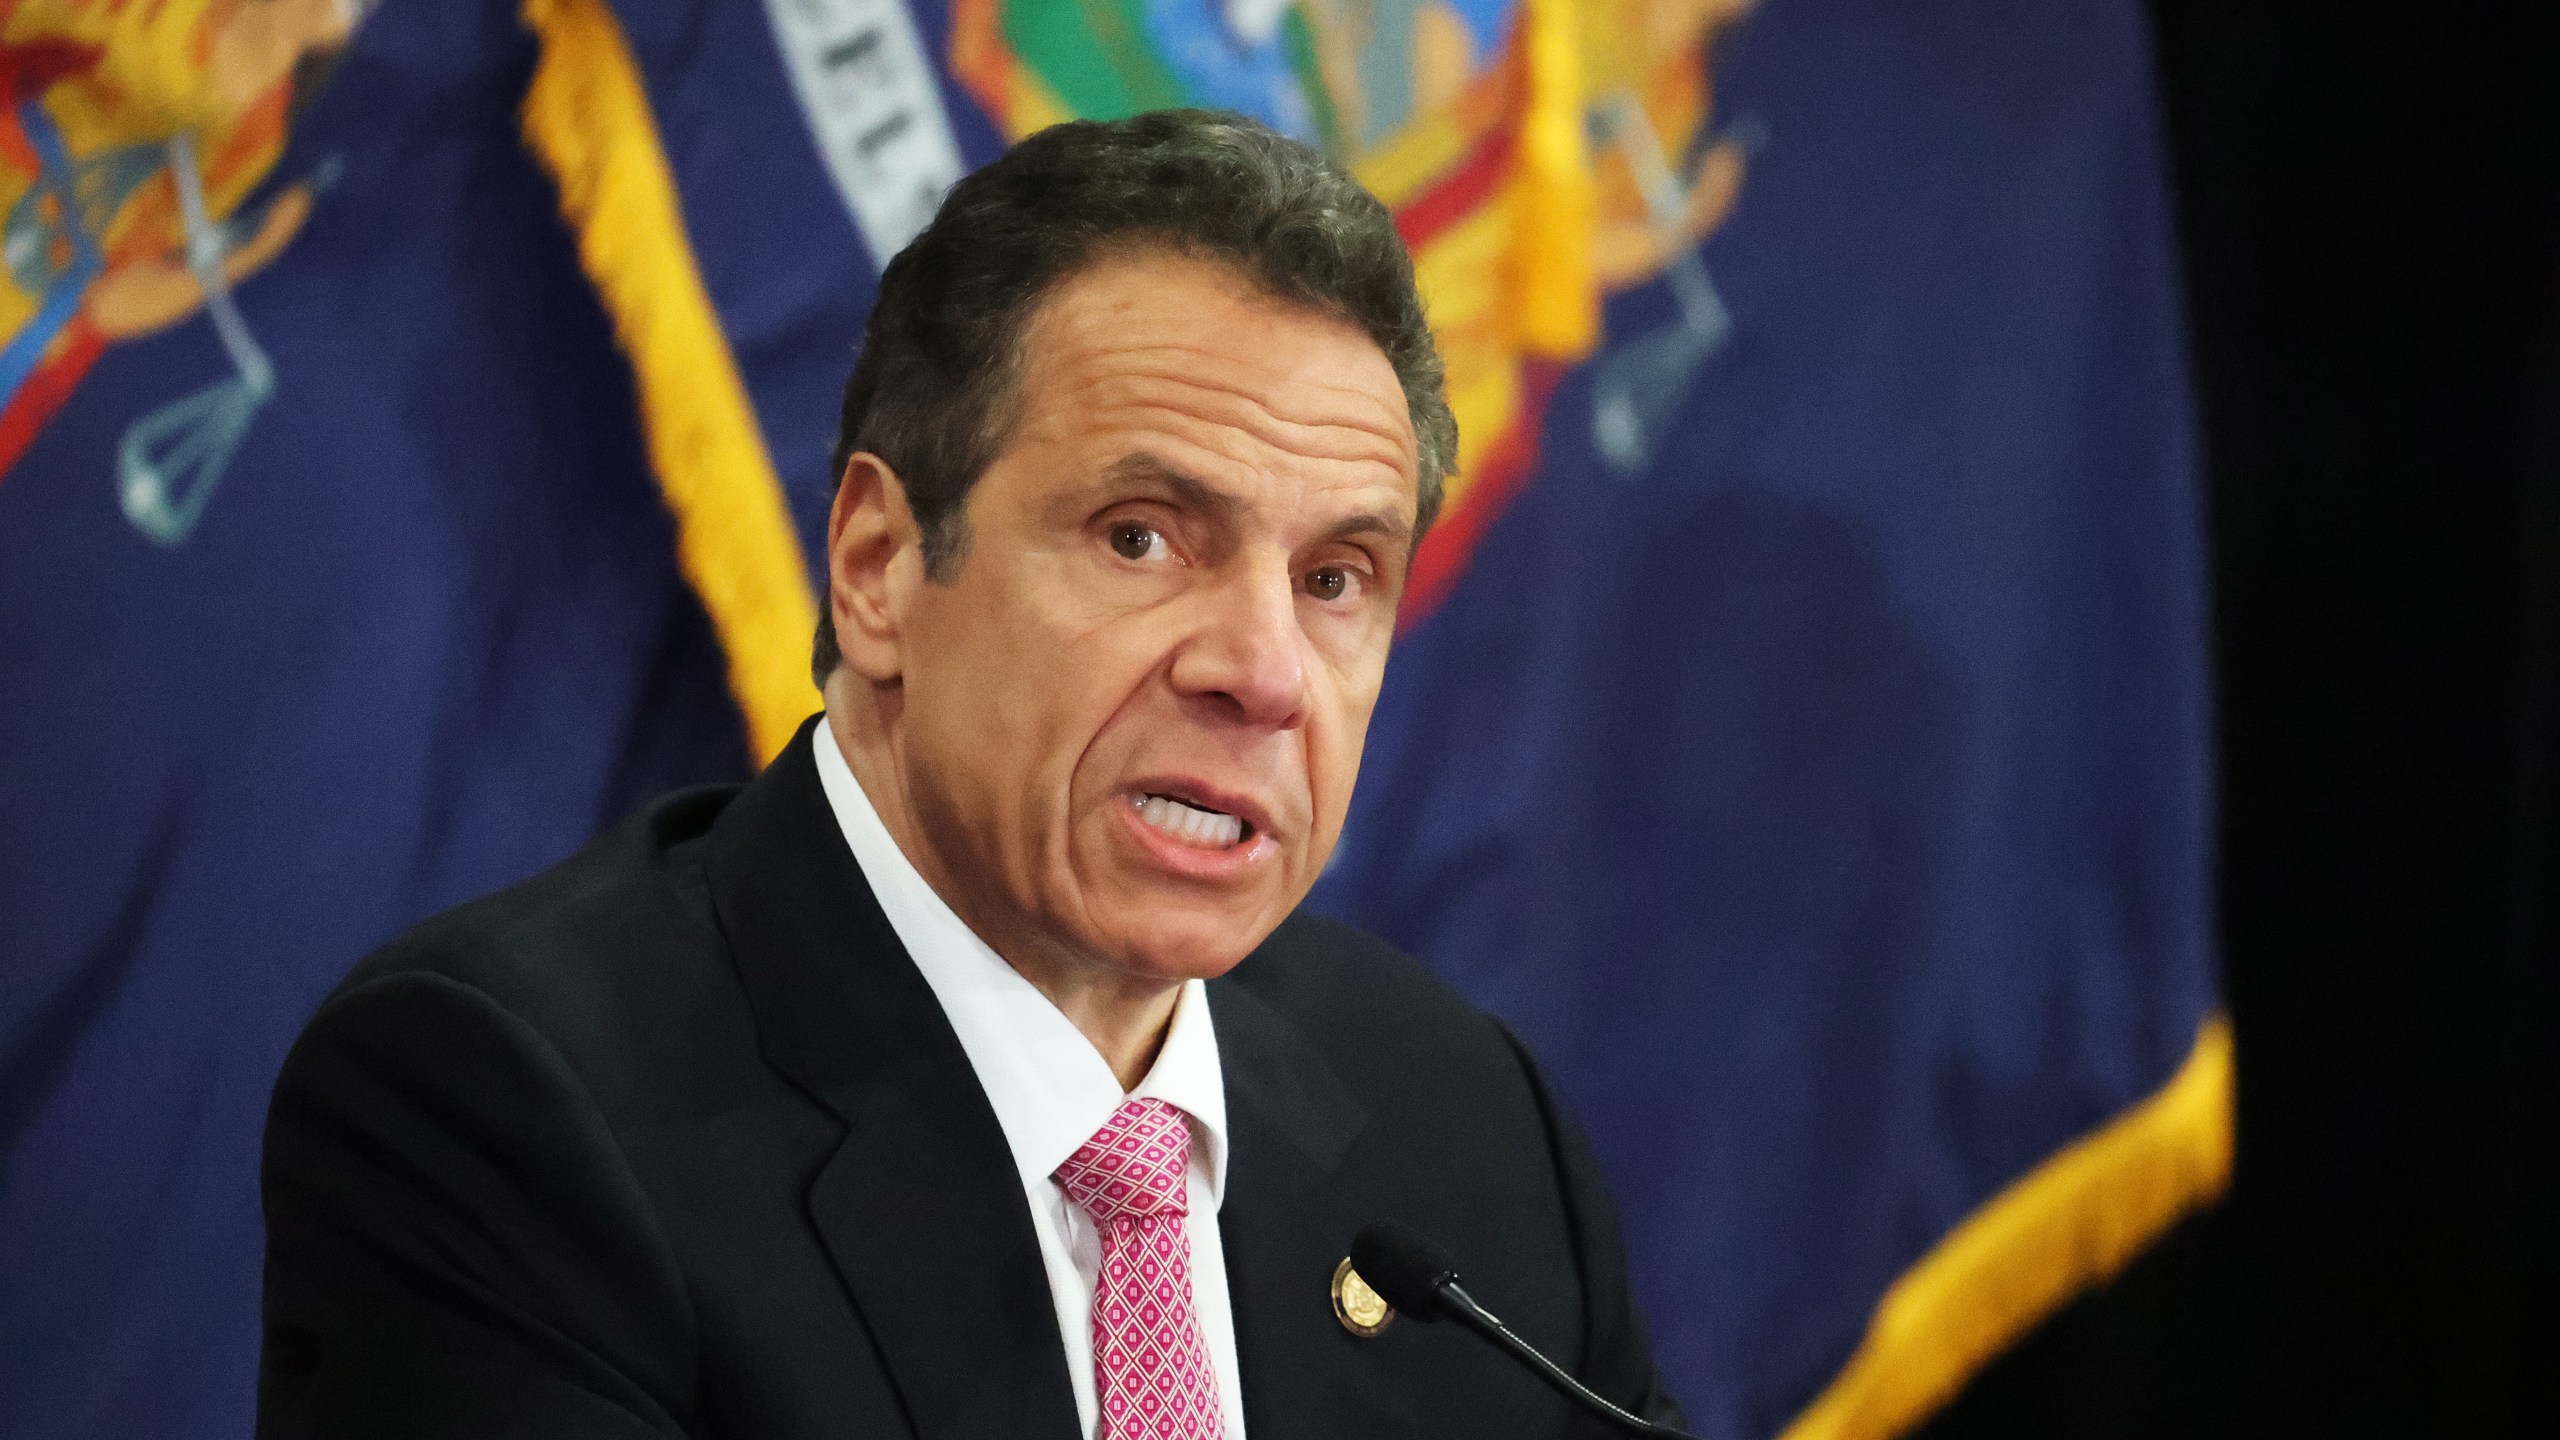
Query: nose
[(1248, 656)]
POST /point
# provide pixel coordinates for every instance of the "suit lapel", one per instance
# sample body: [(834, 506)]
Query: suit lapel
[(1286, 1225), (920, 1207)]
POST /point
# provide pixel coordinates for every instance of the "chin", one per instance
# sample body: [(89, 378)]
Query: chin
[(1188, 944)]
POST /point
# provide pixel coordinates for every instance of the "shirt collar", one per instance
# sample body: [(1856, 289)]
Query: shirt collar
[(1051, 1090)]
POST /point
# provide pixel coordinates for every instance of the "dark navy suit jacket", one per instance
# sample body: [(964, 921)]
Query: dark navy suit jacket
[(673, 1140)]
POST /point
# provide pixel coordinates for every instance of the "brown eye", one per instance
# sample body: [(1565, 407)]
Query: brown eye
[(1134, 541), (1327, 583)]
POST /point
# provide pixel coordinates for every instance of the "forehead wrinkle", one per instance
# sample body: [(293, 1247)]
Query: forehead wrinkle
[(1172, 359), (1135, 400), (1071, 361), (1145, 468), (1314, 450), (1083, 315)]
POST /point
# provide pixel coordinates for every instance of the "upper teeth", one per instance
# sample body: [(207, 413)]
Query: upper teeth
[(1190, 822)]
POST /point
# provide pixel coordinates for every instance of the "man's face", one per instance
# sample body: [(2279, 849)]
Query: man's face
[(1132, 716)]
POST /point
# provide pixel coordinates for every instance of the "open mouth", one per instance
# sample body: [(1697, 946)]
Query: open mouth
[(1191, 822)]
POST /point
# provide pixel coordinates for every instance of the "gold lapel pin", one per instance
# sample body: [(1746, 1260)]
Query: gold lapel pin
[(1358, 1307)]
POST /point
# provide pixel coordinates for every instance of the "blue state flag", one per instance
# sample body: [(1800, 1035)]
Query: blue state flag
[(1798, 733)]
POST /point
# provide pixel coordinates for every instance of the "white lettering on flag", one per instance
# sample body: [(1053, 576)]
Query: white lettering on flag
[(869, 92)]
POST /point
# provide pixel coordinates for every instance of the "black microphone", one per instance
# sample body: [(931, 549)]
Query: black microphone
[(1411, 1274)]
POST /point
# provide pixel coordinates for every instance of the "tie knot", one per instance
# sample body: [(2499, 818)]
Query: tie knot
[(1134, 1166)]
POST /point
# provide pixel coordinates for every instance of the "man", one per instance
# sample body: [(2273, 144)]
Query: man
[(971, 1073)]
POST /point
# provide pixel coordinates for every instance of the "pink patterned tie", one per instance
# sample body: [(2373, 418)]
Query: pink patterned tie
[(1150, 1367)]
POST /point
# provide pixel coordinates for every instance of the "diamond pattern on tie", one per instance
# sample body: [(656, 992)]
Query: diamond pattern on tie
[(1151, 1372)]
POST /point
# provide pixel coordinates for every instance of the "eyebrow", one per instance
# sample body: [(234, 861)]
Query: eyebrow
[(1191, 492)]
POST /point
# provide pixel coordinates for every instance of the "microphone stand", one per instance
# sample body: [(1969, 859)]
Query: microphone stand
[(1455, 1301)]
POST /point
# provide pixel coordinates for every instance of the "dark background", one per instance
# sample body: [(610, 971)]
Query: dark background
[(2370, 219)]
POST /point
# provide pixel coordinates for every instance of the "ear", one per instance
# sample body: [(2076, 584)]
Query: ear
[(875, 560)]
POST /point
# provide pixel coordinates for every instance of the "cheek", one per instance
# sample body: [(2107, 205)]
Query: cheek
[(978, 722), (1083, 691)]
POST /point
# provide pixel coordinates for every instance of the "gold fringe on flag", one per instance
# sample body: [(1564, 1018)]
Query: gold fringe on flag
[(1557, 291), (587, 117), (2072, 1222)]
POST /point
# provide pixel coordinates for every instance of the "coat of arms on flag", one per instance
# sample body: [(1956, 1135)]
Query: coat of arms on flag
[(1536, 154), (133, 153)]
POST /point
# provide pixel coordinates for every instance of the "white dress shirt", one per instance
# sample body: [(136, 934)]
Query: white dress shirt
[(1052, 1090)]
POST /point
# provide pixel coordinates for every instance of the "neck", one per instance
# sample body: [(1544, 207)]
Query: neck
[(1123, 1016)]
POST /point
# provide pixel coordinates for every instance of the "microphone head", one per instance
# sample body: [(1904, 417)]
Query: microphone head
[(1406, 1270)]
